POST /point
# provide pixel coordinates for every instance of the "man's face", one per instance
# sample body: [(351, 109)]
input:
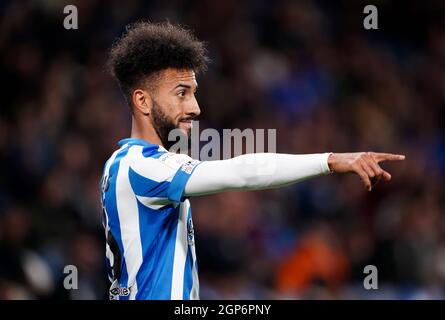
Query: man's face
[(174, 103)]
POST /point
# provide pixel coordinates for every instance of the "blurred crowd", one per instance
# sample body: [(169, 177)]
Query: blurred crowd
[(306, 68)]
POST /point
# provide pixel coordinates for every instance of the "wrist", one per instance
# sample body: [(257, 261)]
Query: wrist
[(331, 160)]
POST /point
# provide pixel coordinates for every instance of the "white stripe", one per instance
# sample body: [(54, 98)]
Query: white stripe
[(194, 294), (153, 202), (133, 291), (127, 209), (108, 252), (180, 255), (153, 168), (111, 160)]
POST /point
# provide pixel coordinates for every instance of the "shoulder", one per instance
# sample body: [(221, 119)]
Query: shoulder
[(156, 162), (175, 160)]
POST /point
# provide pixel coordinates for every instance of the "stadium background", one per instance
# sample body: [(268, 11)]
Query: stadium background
[(306, 68)]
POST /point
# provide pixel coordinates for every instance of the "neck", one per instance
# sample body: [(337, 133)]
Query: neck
[(142, 129)]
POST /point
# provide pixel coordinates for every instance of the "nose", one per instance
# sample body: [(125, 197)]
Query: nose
[(193, 108)]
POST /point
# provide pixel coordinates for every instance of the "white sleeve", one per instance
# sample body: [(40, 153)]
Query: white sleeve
[(255, 171)]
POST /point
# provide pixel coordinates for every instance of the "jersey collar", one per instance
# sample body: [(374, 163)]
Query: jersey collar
[(139, 142), (135, 141)]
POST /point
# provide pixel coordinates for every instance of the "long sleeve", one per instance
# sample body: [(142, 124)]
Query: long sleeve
[(254, 172)]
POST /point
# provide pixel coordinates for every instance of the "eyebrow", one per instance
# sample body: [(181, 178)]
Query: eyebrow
[(182, 85)]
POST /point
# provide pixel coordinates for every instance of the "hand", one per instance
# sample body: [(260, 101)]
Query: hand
[(365, 164)]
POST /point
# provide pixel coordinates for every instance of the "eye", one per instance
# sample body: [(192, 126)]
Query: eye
[(181, 93)]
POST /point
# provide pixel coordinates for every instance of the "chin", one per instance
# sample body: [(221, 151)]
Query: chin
[(185, 131)]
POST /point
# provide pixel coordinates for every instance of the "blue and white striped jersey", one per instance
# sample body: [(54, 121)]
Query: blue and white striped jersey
[(150, 250)]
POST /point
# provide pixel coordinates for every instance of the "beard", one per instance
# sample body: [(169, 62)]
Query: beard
[(163, 125)]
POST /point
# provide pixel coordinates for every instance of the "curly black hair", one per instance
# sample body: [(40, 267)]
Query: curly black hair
[(147, 48)]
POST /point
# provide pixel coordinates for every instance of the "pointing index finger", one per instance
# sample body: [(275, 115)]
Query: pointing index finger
[(387, 156)]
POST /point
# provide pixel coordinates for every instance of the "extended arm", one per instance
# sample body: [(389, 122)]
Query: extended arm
[(271, 170), (255, 171)]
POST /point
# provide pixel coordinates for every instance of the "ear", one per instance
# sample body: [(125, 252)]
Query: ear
[(141, 101)]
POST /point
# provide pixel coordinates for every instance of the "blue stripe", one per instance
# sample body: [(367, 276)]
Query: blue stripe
[(158, 238), (112, 213), (146, 187), (149, 230), (151, 152), (135, 141), (123, 282), (177, 186)]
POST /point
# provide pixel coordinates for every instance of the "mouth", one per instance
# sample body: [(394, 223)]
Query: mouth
[(186, 123)]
